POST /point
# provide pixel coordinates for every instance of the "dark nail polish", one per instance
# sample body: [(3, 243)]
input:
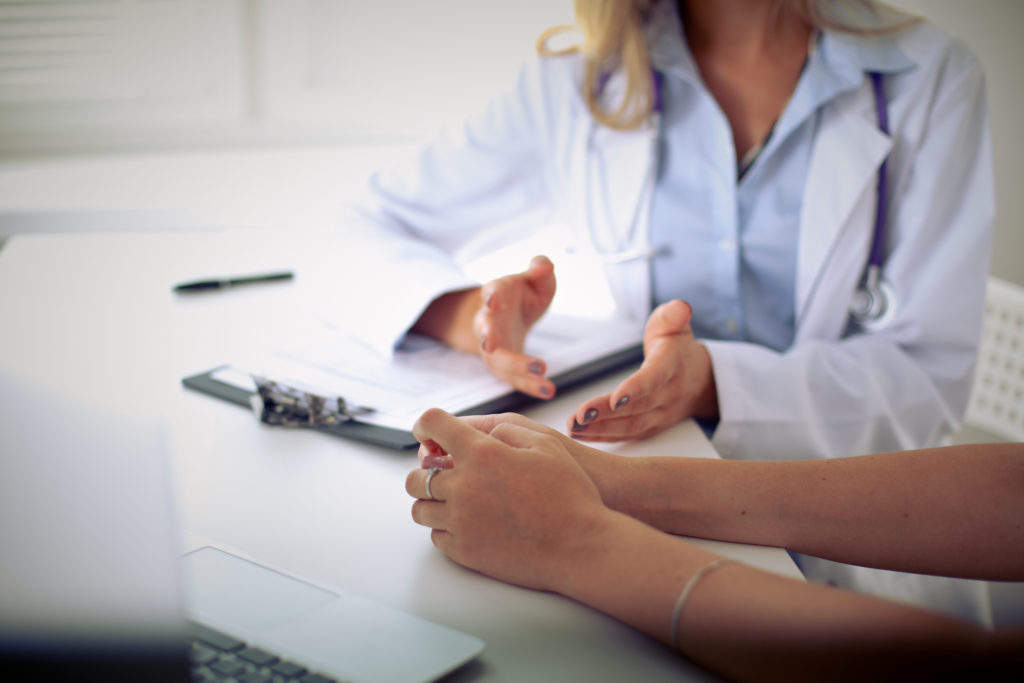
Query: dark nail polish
[(536, 368), (621, 402), (545, 390), (577, 427), (590, 415)]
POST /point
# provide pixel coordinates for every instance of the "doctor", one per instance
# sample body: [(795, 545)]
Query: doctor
[(768, 253), (729, 154)]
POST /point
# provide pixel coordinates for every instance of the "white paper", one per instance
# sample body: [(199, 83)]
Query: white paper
[(423, 373)]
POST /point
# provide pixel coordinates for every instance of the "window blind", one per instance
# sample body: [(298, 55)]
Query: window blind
[(65, 51)]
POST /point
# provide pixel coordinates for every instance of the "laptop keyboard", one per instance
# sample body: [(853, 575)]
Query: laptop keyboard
[(219, 657)]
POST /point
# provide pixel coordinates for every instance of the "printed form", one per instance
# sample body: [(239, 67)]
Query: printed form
[(422, 373)]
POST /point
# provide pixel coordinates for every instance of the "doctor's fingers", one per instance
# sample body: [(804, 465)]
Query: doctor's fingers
[(602, 409), (527, 294), (592, 409), (669, 319), (523, 372), (499, 328), (630, 427), (636, 393), (506, 292), (541, 275), (658, 375)]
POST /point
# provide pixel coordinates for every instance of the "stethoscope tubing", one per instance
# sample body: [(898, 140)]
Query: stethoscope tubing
[(874, 302), (872, 289), (623, 252), (877, 242)]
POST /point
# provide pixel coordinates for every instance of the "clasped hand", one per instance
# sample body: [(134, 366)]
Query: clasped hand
[(511, 502)]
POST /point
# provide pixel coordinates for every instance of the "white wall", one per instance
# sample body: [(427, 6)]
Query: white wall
[(252, 71), (289, 107), (323, 72)]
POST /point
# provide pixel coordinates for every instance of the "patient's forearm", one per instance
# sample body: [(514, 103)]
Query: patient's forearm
[(953, 511), (750, 624)]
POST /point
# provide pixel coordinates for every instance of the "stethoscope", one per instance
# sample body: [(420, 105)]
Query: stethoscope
[(874, 301), (623, 250)]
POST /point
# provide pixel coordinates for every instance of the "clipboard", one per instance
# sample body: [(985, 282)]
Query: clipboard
[(212, 382)]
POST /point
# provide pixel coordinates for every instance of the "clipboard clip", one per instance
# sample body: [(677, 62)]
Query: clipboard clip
[(278, 404)]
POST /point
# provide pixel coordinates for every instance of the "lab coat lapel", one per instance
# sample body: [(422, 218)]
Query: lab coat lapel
[(838, 213)]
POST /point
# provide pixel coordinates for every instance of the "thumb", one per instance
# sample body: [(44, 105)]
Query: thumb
[(670, 318), (517, 435), (541, 273), (540, 265), (458, 439)]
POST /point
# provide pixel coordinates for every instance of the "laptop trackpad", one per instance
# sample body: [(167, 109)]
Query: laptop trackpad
[(228, 590), (342, 634)]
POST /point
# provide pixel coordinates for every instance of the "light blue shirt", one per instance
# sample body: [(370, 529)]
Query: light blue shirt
[(729, 246)]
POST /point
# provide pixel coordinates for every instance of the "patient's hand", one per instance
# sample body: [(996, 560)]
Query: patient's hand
[(610, 473), (515, 504)]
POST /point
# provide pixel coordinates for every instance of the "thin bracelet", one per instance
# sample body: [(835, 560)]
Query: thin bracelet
[(685, 594)]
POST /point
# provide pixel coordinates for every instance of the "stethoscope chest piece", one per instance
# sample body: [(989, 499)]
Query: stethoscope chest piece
[(874, 304)]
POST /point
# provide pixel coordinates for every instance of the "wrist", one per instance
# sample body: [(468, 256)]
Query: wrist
[(610, 473), (632, 572), (706, 406), (667, 493), (579, 561), (649, 489), (449, 318)]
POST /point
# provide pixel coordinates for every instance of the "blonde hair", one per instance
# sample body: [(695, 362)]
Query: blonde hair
[(614, 39)]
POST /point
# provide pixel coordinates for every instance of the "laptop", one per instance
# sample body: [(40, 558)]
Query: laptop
[(92, 587)]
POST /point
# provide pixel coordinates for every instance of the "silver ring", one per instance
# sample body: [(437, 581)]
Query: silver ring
[(430, 475)]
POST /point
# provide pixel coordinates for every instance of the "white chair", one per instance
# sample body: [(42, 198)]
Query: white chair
[(997, 396), (996, 408)]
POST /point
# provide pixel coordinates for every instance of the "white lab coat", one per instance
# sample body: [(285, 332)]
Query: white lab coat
[(838, 391)]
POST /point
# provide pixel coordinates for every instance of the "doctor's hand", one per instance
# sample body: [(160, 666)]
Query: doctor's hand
[(674, 382), (493, 320), (513, 504), (511, 306)]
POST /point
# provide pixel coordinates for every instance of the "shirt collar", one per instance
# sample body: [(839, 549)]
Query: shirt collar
[(864, 53), (839, 64)]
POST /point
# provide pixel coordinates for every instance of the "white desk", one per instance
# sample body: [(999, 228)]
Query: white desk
[(94, 315)]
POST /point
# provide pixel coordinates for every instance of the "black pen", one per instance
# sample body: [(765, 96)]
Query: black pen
[(204, 285)]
